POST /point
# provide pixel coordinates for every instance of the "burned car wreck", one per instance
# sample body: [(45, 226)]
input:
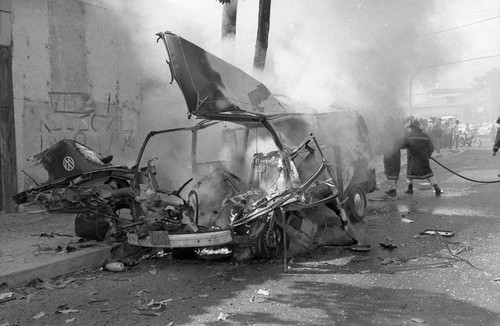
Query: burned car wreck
[(261, 175)]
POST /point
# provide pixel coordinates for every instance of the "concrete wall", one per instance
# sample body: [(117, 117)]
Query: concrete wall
[(5, 22), (74, 77)]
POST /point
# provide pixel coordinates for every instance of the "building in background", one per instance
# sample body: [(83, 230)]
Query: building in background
[(67, 71), (465, 104)]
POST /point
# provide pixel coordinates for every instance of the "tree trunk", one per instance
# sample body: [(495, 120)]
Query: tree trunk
[(259, 60)]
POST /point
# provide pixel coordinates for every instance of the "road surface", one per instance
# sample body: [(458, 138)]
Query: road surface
[(422, 280)]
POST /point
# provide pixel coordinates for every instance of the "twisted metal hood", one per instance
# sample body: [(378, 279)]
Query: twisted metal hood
[(215, 89)]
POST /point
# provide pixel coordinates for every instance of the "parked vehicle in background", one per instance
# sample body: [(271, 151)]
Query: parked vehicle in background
[(487, 130), (469, 140), (484, 129), (472, 126)]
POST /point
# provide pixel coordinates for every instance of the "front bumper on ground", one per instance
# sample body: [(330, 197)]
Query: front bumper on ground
[(163, 239)]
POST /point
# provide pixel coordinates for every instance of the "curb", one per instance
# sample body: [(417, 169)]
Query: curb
[(91, 258)]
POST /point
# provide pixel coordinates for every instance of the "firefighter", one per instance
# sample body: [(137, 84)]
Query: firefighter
[(496, 144), (419, 148), (392, 154)]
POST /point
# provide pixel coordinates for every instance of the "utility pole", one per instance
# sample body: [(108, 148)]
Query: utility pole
[(259, 60), (228, 28)]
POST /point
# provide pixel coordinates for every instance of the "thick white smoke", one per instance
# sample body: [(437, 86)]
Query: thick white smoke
[(358, 54)]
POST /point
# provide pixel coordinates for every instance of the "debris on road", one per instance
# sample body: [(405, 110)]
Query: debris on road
[(406, 220), (342, 261), (263, 292), (46, 249), (65, 309), (80, 244), (418, 320), (39, 315), (361, 247), (440, 232), (222, 316), (63, 282), (7, 296), (51, 235), (387, 261), (115, 267), (157, 305), (388, 246), (38, 283)]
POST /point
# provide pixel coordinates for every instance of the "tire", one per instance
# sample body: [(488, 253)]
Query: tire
[(270, 241), (477, 142), (357, 205), (93, 224), (461, 142)]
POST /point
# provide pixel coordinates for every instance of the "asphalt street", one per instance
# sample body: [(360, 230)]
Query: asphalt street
[(407, 278)]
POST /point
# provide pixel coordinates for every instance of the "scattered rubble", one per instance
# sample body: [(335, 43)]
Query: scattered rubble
[(115, 267)]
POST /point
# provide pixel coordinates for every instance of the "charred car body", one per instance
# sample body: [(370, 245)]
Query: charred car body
[(261, 171)]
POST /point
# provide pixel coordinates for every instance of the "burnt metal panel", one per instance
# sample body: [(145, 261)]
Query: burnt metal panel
[(215, 89)]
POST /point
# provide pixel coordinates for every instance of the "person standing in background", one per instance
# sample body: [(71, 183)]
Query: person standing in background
[(456, 134), (392, 153), (493, 130), (496, 143), (437, 134), (447, 134)]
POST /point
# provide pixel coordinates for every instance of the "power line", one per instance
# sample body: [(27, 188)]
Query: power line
[(461, 26), (445, 64), (467, 15)]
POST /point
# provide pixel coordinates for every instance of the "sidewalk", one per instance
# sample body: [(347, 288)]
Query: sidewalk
[(25, 255)]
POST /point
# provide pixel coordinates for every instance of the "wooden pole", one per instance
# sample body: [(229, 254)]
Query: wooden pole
[(228, 29), (259, 61)]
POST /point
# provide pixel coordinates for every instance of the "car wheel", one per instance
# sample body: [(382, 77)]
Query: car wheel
[(477, 142), (271, 239), (93, 224), (357, 206)]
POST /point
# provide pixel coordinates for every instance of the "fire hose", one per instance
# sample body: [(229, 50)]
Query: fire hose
[(461, 176)]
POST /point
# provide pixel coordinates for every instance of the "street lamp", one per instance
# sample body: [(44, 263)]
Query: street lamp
[(443, 64)]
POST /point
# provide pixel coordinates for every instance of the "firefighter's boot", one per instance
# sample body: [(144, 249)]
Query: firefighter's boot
[(409, 190), (438, 190)]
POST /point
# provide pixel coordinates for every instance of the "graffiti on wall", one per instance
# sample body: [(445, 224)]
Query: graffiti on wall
[(75, 116)]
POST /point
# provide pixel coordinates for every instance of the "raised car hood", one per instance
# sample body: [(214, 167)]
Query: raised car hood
[(213, 88)]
